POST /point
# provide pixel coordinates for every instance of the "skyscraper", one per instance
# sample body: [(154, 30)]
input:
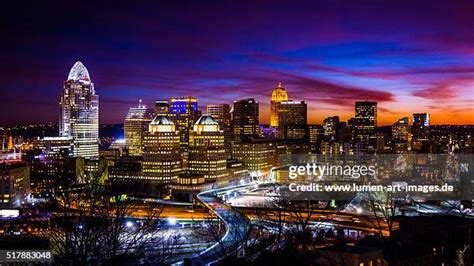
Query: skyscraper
[(161, 107), (51, 159), (292, 117), (245, 120), (365, 123), (401, 135), (330, 125), (206, 149), (221, 114), (279, 94), (421, 125), (401, 129), (136, 126), (183, 111), (161, 152), (315, 133), (79, 113)]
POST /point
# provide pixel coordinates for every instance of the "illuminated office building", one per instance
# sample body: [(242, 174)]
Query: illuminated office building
[(236, 172), (316, 133), (401, 135), (162, 107), (259, 156), (135, 127), (245, 120), (79, 113), (186, 187), (330, 148), (207, 155), (117, 149), (183, 111), (51, 163), (161, 151), (330, 126), (292, 117), (421, 127), (125, 168), (401, 129), (221, 114), (14, 184), (365, 123), (51, 157), (279, 94)]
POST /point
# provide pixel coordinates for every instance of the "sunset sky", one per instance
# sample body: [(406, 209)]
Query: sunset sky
[(409, 56)]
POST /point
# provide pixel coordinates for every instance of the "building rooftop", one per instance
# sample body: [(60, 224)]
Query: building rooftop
[(161, 120), (78, 72), (206, 120)]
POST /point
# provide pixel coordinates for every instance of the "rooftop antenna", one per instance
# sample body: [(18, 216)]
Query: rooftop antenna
[(140, 103)]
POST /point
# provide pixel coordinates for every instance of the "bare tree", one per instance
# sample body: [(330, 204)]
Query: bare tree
[(93, 223)]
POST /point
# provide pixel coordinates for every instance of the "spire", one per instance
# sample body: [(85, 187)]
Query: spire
[(140, 103), (78, 72), (279, 84)]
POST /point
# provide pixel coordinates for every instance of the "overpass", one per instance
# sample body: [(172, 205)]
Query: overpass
[(237, 226)]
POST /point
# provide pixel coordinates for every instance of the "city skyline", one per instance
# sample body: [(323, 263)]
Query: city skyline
[(272, 132), (329, 58)]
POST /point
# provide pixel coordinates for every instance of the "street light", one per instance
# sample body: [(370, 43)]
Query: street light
[(172, 221)]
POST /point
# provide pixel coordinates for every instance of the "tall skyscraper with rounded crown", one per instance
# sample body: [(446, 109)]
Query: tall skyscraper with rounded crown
[(79, 113), (279, 95)]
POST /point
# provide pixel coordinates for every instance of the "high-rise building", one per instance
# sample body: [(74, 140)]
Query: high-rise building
[(365, 123), (135, 127), (421, 127), (161, 107), (316, 133), (401, 129), (259, 156), (292, 119), (51, 163), (207, 155), (245, 120), (221, 113), (279, 94), (161, 151), (330, 126), (183, 111), (79, 113), (51, 158), (14, 184)]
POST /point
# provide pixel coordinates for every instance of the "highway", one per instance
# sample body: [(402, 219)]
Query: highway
[(237, 226)]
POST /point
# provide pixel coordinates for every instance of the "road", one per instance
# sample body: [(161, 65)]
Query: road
[(237, 226)]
